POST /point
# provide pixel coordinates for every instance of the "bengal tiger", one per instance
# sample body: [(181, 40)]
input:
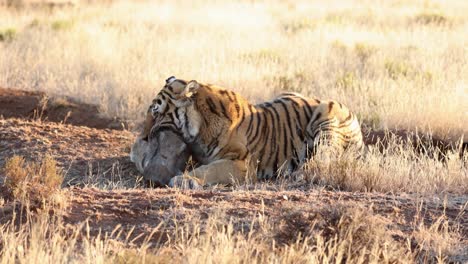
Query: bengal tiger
[(237, 140)]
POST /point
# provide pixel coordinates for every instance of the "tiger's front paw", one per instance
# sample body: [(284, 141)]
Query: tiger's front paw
[(185, 183)]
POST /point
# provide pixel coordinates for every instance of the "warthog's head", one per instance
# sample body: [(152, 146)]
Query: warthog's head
[(160, 157)]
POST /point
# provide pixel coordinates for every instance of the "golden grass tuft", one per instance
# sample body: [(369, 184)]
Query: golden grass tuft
[(36, 182)]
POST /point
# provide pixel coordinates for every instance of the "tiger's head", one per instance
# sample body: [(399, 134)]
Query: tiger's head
[(172, 91), (174, 108)]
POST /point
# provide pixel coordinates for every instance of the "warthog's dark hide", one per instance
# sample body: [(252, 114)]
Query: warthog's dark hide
[(161, 157)]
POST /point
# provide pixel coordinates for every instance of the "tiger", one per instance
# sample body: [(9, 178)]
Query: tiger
[(237, 141)]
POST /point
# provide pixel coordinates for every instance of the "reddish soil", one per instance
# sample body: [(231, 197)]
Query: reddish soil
[(91, 153), (146, 209), (38, 106)]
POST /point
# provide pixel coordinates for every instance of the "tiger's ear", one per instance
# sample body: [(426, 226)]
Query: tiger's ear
[(192, 88)]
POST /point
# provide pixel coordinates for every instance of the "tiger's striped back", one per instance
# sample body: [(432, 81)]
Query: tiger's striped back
[(276, 135)]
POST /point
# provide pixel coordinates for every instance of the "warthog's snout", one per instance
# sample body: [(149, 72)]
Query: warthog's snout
[(160, 158)]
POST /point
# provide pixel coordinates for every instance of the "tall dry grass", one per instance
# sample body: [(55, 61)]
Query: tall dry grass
[(397, 64), (348, 235)]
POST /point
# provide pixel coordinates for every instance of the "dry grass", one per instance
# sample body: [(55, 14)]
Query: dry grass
[(398, 168), (33, 182), (397, 64), (347, 235)]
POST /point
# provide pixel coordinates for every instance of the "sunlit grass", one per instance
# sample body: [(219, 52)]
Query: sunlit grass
[(410, 71)]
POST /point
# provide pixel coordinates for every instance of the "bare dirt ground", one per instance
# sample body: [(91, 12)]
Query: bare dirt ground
[(93, 151)]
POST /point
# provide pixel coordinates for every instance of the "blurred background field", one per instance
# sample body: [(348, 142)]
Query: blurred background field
[(398, 64)]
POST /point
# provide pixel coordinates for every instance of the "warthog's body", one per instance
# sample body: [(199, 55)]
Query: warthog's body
[(161, 157)]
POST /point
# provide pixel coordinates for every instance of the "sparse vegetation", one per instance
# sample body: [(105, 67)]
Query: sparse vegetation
[(348, 82), (62, 24), (34, 182), (431, 18), (7, 34), (364, 51), (398, 169), (343, 233), (298, 25), (288, 83), (262, 56), (397, 69)]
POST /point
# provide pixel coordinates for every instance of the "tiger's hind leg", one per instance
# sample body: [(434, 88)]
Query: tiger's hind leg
[(333, 129), (217, 172)]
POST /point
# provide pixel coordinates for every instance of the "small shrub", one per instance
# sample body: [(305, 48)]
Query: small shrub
[(431, 19), (341, 171), (262, 56), (364, 51), (347, 81), (373, 119), (339, 46), (298, 25), (397, 69), (7, 34), (62, 24), (286, 83), (335, 18), (425, 76), (32, 181), (35, 23), (353, 234)]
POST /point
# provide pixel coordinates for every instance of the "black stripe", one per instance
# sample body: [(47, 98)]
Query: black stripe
[(274, 138), (262, 133), (226, 93), (221, 152), (266, 127), (211, 106), (307, 108), (286, 143), (212, 148), (317, 117), (288, 119), (258, 116), (252, 116), (242, 118), (296, 106), (176, 114), (164, 92), (237, 107), (330, 106), (224, 111), (349, 119)]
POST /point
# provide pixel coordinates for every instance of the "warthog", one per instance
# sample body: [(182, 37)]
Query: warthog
[(160, 158)]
